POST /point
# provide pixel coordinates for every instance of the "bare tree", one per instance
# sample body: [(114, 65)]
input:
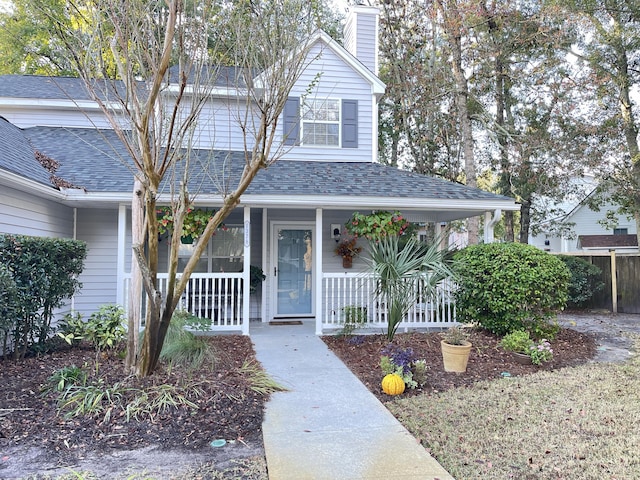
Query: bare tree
[(163, 53)]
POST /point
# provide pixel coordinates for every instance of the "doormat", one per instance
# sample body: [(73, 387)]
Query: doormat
[(286, 322)]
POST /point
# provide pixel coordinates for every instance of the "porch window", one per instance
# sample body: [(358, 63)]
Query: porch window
[(321, 122), (224, 252)]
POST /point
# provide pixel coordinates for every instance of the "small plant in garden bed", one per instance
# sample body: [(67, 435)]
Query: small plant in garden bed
[(520, 341), (455, 336), (402, 362), (541, 352), (517, 341)]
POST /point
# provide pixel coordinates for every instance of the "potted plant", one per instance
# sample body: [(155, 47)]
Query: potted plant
[(256, 277), (519, 343), (456, 349), (347, 249), (525, 350)]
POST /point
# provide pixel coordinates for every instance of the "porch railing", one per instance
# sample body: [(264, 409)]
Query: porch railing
[(346, 292), (215, 296)]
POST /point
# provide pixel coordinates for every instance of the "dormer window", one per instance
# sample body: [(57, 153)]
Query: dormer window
[(321, 122), (325, 122)]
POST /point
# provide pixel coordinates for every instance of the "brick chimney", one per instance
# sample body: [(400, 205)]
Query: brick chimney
[(361, 35)]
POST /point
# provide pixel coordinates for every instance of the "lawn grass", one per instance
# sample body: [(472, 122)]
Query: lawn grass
[(573, 423)]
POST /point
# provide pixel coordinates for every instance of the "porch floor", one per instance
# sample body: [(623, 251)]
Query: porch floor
[(328, 425)]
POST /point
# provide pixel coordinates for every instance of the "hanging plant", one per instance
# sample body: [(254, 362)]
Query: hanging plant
[(379, 224), (195, 221)]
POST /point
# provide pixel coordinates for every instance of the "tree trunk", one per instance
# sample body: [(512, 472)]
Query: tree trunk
[(624, 81), (503, 141), (135, 288), (525, 220), (453, 29)]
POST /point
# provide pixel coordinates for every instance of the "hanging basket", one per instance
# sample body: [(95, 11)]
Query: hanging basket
[(347, 262), (186, 240)]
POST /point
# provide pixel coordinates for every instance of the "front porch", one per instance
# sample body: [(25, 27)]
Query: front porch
[(305, 279), (344, 298)]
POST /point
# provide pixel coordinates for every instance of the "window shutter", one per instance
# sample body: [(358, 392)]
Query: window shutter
[(349, 124), (291, 121)]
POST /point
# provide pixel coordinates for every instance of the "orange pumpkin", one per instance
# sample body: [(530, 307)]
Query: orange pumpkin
[(393, 384)]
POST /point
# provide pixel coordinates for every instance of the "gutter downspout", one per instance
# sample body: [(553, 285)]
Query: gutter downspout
[(490, 223), (75, 237)]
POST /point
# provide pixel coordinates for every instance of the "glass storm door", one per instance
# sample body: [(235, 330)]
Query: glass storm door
[(294, 271)]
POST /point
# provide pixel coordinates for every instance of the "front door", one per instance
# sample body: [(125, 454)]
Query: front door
[(293, 258)]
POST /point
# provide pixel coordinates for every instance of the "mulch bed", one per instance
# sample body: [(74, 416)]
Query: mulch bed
[(227, 407), (487, 360)]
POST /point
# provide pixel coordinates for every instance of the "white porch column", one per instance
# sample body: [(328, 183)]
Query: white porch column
[(265, 266), (246, 269), (120, 262), (319, 240), (490, 223)]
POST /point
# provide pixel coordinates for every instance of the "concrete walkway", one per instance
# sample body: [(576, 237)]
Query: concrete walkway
[(611, 332), (328, 425)]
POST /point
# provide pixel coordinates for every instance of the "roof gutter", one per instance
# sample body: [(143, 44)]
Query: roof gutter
[(79, 196), (21, 183)]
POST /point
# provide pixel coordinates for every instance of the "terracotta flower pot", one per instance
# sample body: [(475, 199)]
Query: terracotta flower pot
[(455, 357), (347, 262)]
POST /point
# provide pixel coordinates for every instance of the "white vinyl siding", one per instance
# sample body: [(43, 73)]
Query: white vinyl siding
[(218, 126), (337, 81), (26, 117), (97, 227), (359, 31), (24, 214)]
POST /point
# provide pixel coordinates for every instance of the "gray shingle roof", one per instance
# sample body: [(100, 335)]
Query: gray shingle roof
[(97, 161), (49, 88), (65, 88), (18, 156)]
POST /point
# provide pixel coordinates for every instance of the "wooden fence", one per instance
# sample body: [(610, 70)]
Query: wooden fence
[(621, 291)]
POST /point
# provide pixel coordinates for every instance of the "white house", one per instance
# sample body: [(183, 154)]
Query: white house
[(286, 218), (587, 233)]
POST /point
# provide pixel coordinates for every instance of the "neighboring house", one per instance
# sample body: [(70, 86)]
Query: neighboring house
[(587, 233), (285, 221)]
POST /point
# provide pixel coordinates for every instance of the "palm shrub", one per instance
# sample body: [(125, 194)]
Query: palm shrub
[(586, 280), (510, 286), (403, 272)]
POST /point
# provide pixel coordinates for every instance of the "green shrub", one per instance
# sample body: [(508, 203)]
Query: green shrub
[(72, 328), (510, 286), (45, 272), (8, 307), (517, 341), (586, 280), (105, 328)]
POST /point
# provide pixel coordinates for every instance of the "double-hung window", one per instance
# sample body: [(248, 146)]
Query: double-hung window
[(327, 122), (321, 122), (224, 253)]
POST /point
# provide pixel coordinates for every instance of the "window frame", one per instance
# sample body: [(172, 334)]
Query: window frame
[(208, 256), (304, 123)]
